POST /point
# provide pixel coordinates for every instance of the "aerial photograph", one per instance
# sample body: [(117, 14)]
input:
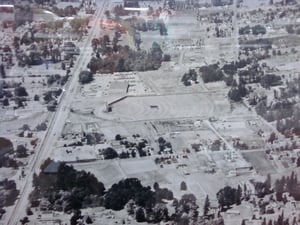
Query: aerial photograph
[(159, 112)]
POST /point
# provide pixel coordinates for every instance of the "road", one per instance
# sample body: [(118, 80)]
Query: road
[(56, 124)]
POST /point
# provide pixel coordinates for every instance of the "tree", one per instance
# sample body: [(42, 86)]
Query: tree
[(36, 98), (21, 151), (85, 77), (238, 195), (206, 206), (89, 220), (279, 189), (155, 186), (120, 194), (183, 186), (140, 215), (25, 127), (226, 197), (298, 162), (234, 94), (20, 92), (5, 102), (41, 127), (107, 14), (2, 71), (118, 137), (268, 182), (110, 153)]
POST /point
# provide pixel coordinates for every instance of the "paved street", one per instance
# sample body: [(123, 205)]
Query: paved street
[(56, 124)]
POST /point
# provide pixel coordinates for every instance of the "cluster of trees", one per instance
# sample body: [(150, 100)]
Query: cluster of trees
[(111, 57), (66, 190), (252, 74), (20, 94), (269, 80), (228, 196), (78, 218), (167, 160), (291, 29), (139, 146), (257, 29), (143, 25), (118, 10), (67, 11), (79, 25), (281, 220), (69, 189), (2, 71), (85, 77), (21, 151), (211, 73), (10, 193), (251, 45), (163, 145), (110, 153), (221, 3), (120, 194), (284, 111), (140, 202), (263, 188), (188, 77), (287, 184), (291, 125), (23, 15), (52, 95), (58, 79), (93, 138), (237, 93), (41, 127), (6, 161)]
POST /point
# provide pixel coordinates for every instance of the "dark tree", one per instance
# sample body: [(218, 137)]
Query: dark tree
[(279, 189), (36, 98), (110, 153), (140, 215), (206, 206), (155, 186), (298, 162), (5, 102), (2, 71), (268, 182), (89, 220), (226, 197), (119, 194), (183, 186), (118, 137), (21, 151), (20, 92), (85, 77), (41, 127)]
